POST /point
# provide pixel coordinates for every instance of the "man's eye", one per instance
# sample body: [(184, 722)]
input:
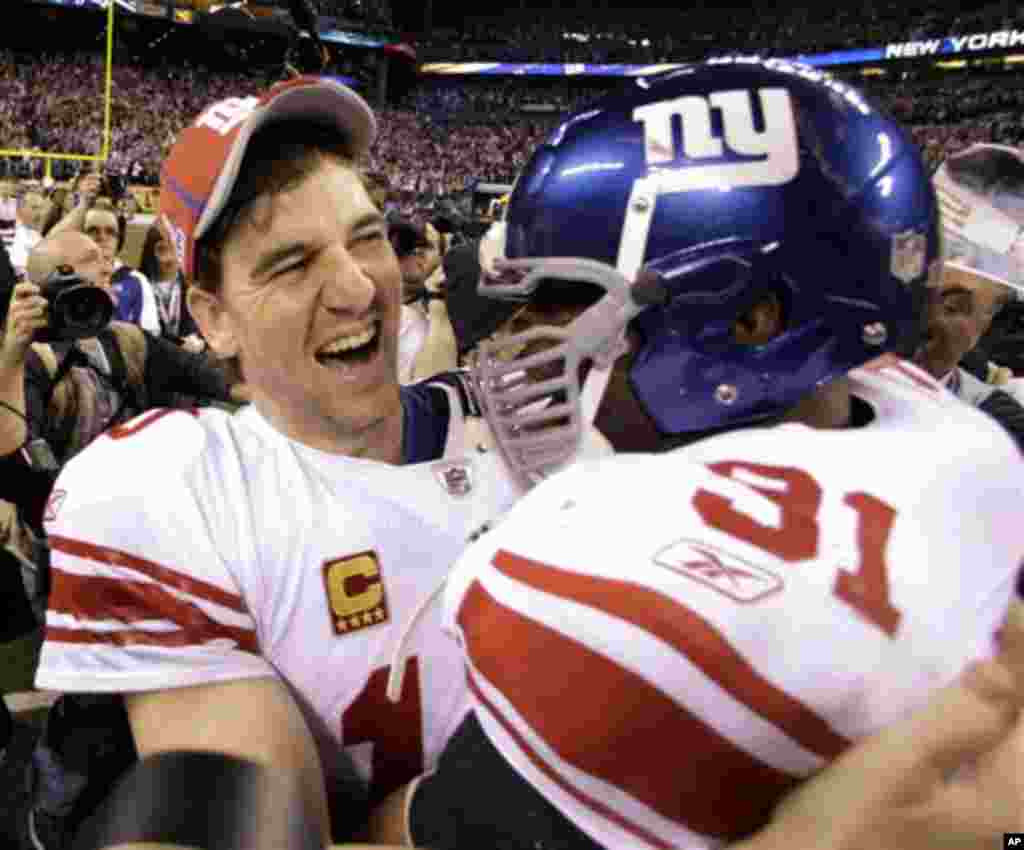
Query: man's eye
[(370, 236), (298, 265)]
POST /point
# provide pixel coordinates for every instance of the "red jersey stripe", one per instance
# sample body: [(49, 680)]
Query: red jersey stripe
[(130, 602), (689, 634), (614, 725), (136, 637), (164, 575), (543, 767)]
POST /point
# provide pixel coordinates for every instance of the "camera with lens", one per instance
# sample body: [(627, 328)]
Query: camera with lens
[(77, 308)]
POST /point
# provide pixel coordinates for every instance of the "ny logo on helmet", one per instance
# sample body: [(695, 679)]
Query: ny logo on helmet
[(743, 156)]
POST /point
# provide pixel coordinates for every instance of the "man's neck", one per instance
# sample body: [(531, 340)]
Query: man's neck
[(829, 406), (380, 440)]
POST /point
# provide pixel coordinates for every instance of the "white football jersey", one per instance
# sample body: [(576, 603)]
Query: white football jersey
[(193, 548), (664, 645)]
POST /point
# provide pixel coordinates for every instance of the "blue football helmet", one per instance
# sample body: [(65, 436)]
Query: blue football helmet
[(687, 198)]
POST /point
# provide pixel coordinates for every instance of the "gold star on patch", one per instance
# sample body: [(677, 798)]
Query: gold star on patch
[(367, 619), (353, 623), (378, 615)]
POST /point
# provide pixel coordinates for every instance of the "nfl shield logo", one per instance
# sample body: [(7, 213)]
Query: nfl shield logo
[(908, 255), (456, 478)]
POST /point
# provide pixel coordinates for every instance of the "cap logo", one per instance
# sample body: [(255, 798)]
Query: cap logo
[(225, 116)]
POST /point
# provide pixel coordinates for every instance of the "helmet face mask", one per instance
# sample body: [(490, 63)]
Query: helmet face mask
[(717, 187)]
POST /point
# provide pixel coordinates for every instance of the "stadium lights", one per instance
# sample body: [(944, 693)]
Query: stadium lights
[(955, 63), (1012, 60)]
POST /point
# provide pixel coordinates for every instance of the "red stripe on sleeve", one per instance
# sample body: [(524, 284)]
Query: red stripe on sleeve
[(137, 637), (130, 602), (691, 635), (616, 726), (164, 575), (538, 762)]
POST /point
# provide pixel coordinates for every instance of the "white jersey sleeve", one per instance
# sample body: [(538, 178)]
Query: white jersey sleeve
[(143, 593), (665, 645)]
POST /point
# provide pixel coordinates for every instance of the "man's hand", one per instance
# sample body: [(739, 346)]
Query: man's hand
[(27, 315)]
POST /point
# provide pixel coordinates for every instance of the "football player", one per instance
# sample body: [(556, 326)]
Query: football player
[(243, 580), (662, 645)]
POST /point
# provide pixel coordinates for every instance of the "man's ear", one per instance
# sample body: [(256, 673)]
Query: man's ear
[(761, 323), (215, 325)]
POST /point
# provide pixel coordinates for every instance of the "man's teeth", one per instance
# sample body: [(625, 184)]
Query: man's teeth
[(347, 343)]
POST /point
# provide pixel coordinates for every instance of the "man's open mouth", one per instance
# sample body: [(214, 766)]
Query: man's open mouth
[(353, 348)]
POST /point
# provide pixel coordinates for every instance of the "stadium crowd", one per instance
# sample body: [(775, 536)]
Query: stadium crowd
[(466, 130), (201, 317), (673, 35)]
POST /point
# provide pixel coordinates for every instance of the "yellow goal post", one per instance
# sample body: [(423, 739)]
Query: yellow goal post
[(105, 148)]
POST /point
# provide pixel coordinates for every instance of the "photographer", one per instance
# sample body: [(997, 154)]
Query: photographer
[(56, 397), (95, 215)]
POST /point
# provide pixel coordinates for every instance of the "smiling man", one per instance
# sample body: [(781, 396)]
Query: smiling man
[(246, 580)]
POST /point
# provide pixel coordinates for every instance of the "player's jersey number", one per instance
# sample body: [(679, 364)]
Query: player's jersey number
[(794, 534)]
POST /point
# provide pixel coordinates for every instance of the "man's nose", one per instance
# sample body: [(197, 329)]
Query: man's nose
[(346, 285)]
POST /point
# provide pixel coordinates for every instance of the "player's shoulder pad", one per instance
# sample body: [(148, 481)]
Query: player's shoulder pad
[(147, 455)]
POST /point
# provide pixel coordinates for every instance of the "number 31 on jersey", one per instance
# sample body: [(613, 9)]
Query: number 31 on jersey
[(793, 534)]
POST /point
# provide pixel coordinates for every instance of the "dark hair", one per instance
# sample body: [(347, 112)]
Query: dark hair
[(148, 264), (279, 158)]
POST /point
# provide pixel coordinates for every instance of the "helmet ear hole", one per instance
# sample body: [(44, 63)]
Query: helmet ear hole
[(762, 322)]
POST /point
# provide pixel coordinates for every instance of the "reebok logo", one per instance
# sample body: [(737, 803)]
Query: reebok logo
[(722, 571)]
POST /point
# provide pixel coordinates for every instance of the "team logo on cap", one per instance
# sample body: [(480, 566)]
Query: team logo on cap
[(355, 593), (909, 249), (225, 116)]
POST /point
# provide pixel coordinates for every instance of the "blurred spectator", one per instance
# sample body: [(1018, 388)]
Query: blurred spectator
[(33, 211), (426, 342), (160, 266), (8, 212)]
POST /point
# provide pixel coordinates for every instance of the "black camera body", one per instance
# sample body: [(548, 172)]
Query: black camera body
[(77, 308)]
